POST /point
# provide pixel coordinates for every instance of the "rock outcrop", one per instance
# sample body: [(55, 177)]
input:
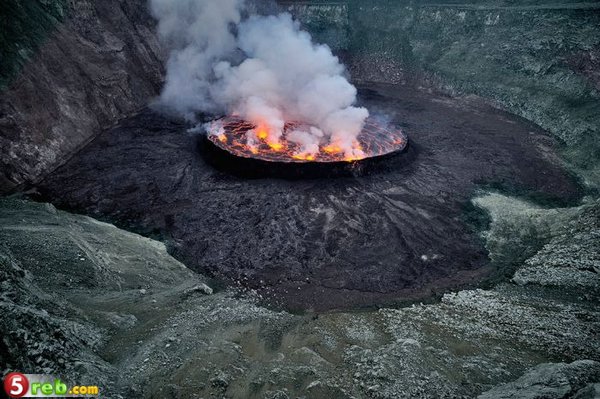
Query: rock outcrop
[(141, 325), (103, 63), (552, 381), (536, 58)]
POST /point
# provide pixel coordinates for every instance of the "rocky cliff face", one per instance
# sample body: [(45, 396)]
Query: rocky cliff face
[(101, 64), (536, 58)]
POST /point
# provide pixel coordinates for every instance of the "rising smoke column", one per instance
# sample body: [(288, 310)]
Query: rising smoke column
[(197, 34), (264, 69)]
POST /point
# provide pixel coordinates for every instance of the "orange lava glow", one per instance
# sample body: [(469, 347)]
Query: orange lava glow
[(275, 146), (332, 149), (261, 133), (375, 140), (304, 157)]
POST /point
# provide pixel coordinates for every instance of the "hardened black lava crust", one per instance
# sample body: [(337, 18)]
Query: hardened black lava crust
[(398, 233)]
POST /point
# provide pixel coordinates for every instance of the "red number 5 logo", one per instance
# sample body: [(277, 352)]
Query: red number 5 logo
[(16, 385)]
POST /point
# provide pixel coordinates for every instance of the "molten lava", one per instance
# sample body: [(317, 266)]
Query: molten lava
[(244, 139)]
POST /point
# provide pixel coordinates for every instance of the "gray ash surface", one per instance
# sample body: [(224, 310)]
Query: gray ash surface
[(394, 235)]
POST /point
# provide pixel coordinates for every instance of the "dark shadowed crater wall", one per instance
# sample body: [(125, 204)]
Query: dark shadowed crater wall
[(69, 69)]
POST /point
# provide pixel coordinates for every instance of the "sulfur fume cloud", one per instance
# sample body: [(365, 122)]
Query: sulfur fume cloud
[(264, 69)]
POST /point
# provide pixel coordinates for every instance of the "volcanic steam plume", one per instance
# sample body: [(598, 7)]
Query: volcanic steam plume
[(262, 70)]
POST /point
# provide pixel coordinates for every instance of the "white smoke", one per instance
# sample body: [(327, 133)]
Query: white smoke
[(281, 75)]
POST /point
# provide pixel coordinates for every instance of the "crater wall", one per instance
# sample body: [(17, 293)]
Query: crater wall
[(85, 65)]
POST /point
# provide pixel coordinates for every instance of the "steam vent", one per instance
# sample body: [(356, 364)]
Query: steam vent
[(242, 147)]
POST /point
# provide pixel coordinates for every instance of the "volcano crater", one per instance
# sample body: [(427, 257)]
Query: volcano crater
[(357, 240)]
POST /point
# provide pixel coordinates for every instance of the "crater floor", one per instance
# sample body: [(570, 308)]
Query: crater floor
[(396, 234)]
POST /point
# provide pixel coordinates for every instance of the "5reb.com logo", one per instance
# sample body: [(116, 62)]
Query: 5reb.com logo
[(17, 385)]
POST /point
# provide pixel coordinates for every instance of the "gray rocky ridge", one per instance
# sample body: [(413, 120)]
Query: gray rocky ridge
[(141, 325)]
